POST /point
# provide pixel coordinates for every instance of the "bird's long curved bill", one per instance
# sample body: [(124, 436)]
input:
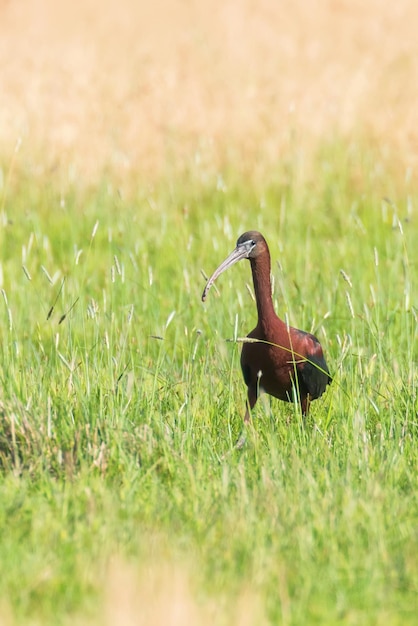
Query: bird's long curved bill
[(235, 256)]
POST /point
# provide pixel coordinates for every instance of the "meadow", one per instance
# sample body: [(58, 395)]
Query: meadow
[(122, 493), (136, 145)]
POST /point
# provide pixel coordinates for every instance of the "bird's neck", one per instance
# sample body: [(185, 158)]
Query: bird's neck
[(260, 267)]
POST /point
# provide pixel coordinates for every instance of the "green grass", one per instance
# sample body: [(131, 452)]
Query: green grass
[(118, 422)]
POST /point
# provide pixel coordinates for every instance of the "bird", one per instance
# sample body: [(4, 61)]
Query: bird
[(276, 358)]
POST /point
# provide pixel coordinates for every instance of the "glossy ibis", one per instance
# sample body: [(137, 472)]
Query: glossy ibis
[(276, 358)]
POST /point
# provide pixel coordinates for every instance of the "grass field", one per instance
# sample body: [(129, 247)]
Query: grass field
[(134, 152), (122, 494)]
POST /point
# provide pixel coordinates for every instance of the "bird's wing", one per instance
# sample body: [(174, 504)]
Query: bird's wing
[(314, 371)]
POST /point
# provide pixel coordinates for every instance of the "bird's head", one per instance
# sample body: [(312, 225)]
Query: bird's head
[(249, 246)]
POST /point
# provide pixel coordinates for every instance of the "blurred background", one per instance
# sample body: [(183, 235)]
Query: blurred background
[(136, 87)]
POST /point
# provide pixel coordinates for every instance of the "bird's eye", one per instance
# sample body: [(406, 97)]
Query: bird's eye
[(248, 244)]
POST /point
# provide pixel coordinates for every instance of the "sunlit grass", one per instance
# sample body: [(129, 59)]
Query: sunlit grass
[(121, 406)]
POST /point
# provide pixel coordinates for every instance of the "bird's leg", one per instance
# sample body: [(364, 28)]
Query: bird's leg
[(251, 400), (305, 404), (247, 416)]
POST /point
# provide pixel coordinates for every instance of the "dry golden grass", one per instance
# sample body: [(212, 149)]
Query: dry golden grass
[(133, 86), (162, 595), (159, 594)]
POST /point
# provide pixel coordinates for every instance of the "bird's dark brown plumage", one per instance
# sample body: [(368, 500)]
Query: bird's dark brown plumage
[(277, 359)]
